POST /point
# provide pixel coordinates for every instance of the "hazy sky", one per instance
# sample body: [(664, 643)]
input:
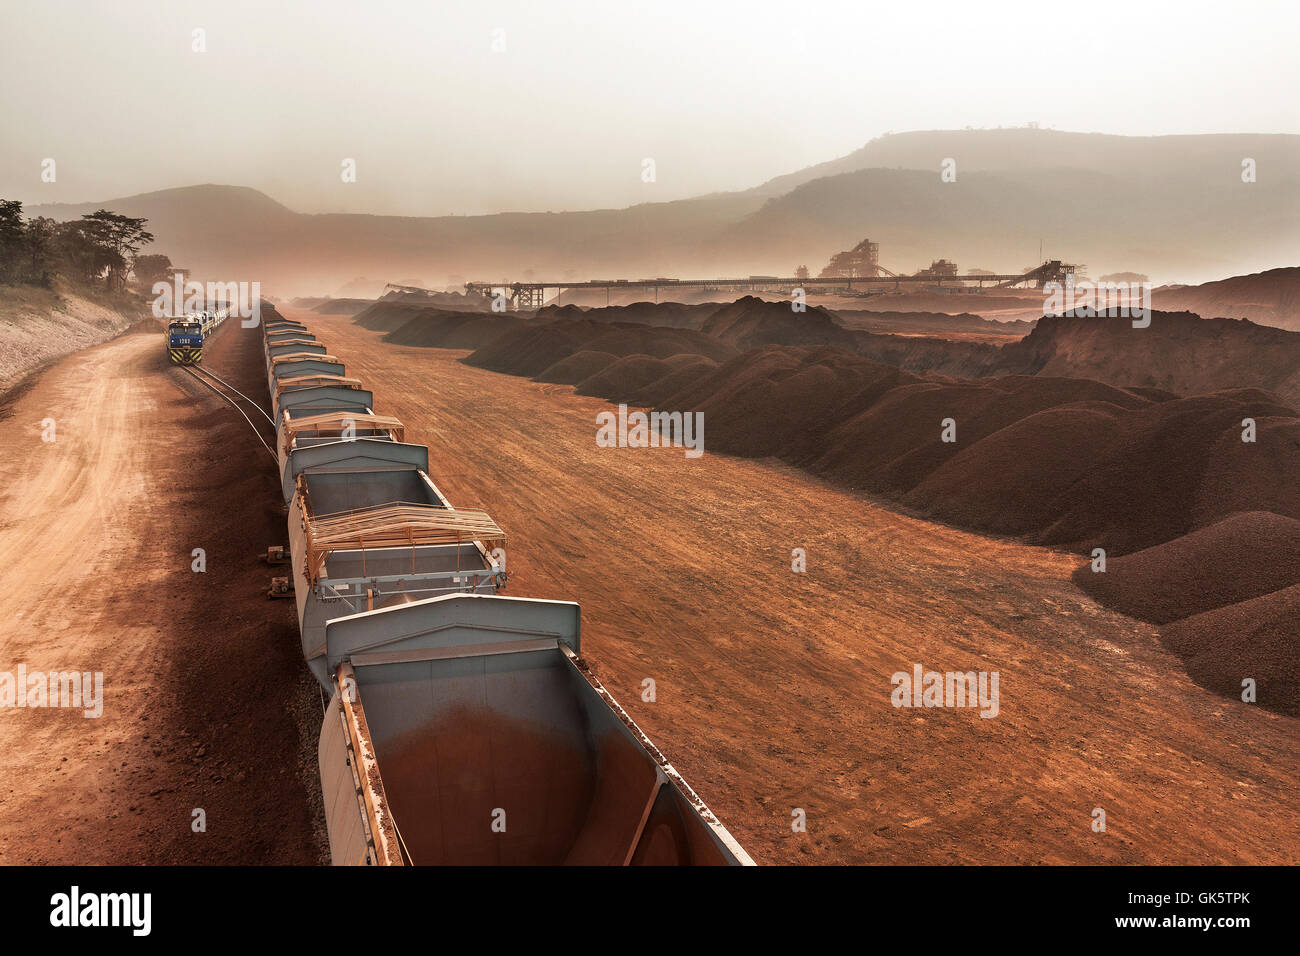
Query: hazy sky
[(441, 119)]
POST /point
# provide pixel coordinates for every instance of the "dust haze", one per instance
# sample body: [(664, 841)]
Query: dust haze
[(653, 434), (477, 108)]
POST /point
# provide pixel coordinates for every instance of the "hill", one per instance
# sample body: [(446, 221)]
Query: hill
[(1179, 352), (1267, 298), (1110, 220), (1244, 556), (39, 325), (750, 323), (1115, 203)]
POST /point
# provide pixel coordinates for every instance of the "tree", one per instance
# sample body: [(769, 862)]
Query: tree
[(12, 235), (80, 256), (152, 268), (119, 239), (25, 247), (42, 233), (102, 244)]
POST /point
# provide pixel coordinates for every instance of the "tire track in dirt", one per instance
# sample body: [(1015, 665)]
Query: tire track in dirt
[(200, 670)]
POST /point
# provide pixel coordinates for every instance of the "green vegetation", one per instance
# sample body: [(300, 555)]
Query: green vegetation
[(101, 246)]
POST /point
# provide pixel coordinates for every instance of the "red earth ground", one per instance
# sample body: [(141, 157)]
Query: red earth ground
[(773, 688), (207, 704)]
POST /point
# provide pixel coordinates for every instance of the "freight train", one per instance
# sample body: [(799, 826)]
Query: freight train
[(185, 335), (463, 725)]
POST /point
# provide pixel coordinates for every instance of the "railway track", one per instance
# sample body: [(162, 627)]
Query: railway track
[(221, 381), (194, 373)]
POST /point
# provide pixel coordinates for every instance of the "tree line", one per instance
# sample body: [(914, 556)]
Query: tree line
[(101, 246)]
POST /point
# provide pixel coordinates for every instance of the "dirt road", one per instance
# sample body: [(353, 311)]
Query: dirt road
[(773, 688), (201, 674)]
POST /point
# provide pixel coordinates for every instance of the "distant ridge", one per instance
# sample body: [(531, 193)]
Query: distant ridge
[(1268, 298), (1111, 202)]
